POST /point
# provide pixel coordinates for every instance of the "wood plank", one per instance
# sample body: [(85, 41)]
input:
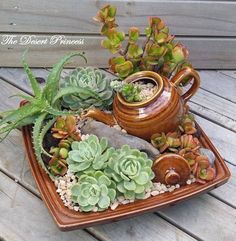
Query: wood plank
[(221, 83), (206, 53), (24, 217), (215, 108), (225, 192), (183, 17), (205, 217), (223, 139)]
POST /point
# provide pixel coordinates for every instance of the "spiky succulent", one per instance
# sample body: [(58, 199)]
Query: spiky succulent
[(94, 191), (131, 170), (41, 109), (89, 155), (99, 93)]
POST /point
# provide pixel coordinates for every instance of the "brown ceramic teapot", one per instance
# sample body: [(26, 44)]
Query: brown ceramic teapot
[(161, 112)]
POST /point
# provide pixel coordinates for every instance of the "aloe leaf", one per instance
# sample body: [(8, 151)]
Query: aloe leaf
[(52, 84), (19, 114), (26, 97), (73, 90), (34, 84), (50, 110), (36, 141), (43, 132)]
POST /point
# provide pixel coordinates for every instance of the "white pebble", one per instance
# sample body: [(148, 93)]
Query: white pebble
[(193, 179), (189, 182), (95, 209), (147, 195), (114, 205), (59, 190), (162, 191), (121, 199), (76, 208), (154, 193), (131, 200), (124, 131), (126, 201), (177, 186)]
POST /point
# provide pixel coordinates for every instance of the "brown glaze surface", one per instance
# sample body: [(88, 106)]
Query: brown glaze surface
[(171, 169), (160, 113), (67, 219)]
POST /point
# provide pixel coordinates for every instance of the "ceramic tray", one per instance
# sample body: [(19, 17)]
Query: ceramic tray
[(68, 219)]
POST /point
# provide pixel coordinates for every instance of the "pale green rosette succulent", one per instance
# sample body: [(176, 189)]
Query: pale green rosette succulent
[(89, 155), (97, 85), (94, 191), (132, 172)]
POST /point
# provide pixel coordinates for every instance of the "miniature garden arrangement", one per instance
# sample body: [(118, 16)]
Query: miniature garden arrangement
[(107, 142)]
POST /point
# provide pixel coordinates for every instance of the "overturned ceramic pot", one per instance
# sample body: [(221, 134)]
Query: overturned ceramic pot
[(161, 112)]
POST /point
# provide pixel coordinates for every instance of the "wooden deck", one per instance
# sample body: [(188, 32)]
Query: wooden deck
[(211, 216)]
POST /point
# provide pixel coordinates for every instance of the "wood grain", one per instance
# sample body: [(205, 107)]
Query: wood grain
[(72, 16), (206, 53), (24, 216)]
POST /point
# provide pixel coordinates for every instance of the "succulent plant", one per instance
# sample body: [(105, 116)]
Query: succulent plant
[(95, 190), (65, 127), (188, 125), (169, 141), (132, 172), (42, 109), (97, 85), (58, 164), (89, 155), (159, 52)]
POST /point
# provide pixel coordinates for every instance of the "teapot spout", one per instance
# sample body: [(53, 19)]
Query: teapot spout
[(101, 116)]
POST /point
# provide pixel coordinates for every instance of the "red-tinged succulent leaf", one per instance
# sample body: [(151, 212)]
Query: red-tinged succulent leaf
[(203, 161), (70, 124), (134, 51), (200, 181), (194, 168), (148, 32), (211, 173), (173, 142), (133, 34), (106, 43), (114, 61), (124, 69), (179, 53), (155, 50), (160, 37), (158, 139)]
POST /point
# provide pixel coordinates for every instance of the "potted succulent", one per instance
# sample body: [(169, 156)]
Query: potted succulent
[(150, 75)]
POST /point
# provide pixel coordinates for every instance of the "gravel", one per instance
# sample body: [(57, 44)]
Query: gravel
[(147, 89)]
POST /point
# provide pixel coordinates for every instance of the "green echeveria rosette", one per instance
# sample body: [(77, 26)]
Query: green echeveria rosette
[(99, 94), (89, 155), (94, 190), (132, 172)]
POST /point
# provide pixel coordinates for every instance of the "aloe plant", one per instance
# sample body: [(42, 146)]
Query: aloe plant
[(95, 190), (99, 93), (42, 108), (159, 52), (132, 172), (89, 155)]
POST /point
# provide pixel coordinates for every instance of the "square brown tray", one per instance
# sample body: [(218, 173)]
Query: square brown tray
[(68, 219)]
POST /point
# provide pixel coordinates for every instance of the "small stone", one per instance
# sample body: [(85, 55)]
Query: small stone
[(131, 200), (59, 190), (95, 209), (124, 131), (76, 208), (154, 193), (114, 205), (193, 180), (147, 195), (189, 182), (162, 191), (126, 201), (177, 186), (121, 199)]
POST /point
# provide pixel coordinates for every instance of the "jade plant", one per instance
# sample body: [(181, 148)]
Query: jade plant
[(41, 109), (89, 155), (159, 52), (132, 172), (99, 93), (94, 190)]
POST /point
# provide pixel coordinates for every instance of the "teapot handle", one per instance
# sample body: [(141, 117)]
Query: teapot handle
[(181, 75)]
